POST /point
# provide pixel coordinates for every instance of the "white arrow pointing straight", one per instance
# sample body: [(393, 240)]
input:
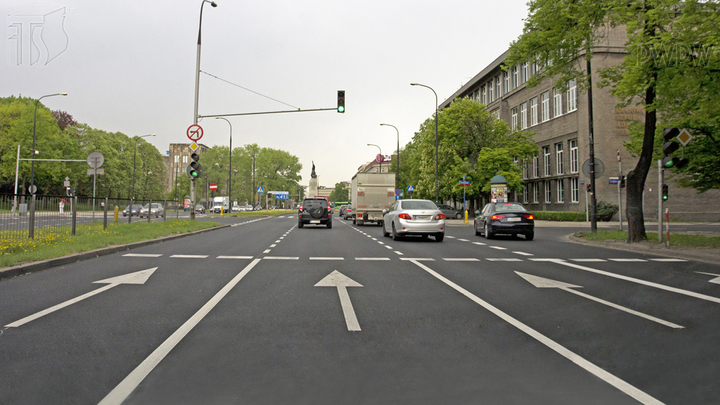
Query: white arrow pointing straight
[(716, 280), (139, 277), (341, 282), (541, 282)]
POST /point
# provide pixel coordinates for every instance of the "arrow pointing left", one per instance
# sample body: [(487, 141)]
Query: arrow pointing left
[(138, 277)]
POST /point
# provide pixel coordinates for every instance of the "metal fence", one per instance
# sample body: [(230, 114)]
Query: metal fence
[(19, 219)]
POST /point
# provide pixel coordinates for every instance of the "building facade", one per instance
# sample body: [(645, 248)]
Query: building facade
[(558, 120)]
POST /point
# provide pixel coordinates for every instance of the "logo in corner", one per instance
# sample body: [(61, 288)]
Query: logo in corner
[(38, 34)]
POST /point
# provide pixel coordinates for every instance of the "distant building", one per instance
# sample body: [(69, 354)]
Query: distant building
[(176, 162), (374, 167)]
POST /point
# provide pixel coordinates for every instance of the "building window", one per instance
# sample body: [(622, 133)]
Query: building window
[(559, 158), (524, 169), (533, 70), (177, 158), (548, 192), (536, 167), (498, 88), (533, 111), (523, 116), (523, 72), (573, 156), (490, 88), (483, 98), (514, 118), (506, 79), (536, 192), (185, 159), (572, 96), (525, 194), (560, 190), (496, 113), (546, 157), (557, 102), (545, 106), (515, 77), (574, 190)]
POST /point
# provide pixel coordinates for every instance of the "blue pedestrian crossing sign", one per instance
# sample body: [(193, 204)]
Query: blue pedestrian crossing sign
[(411, 188), (260, 189)]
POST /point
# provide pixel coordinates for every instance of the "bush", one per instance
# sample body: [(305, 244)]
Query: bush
[(559, 216), (604, 211)]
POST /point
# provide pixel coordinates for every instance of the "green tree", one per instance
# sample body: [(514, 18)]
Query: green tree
[(340, 193)]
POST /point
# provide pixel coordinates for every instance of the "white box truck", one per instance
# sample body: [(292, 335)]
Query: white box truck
[(371, 193), (221, 203)]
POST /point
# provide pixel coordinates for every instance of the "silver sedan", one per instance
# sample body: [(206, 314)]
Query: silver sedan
[(414, 217)]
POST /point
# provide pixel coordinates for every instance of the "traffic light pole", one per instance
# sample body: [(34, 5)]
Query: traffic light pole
[(660, 199)]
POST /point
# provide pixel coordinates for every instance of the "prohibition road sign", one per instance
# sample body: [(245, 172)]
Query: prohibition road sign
[(213, 186), (195, 132)]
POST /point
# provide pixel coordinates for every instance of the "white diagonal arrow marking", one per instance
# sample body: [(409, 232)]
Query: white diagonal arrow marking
[(341, 282), (541, 282), (716, 280), (139, 277)]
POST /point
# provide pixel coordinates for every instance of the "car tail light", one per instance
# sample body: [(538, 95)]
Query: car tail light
[(404, 216), (497, 217), (439, 217), (530, 217)]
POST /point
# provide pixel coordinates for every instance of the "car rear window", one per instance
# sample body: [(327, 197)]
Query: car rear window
[(418, 205), (509, 208)]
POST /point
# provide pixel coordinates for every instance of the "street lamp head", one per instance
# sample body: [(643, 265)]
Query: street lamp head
[(414, 84), (63, 94), (212, 3)]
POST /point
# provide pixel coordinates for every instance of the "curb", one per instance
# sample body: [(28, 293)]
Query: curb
[(711, 256), (33, 267)]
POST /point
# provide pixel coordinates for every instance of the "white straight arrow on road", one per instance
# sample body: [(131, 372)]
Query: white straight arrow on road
[(341, 282), (541, 282), (139, 277), (715, 280)]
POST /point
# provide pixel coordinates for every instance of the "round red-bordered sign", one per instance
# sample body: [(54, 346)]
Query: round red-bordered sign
[(195, 132), (213, 186)]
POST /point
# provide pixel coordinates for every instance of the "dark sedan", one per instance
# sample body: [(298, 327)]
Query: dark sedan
[(135, 210), (504, 218)]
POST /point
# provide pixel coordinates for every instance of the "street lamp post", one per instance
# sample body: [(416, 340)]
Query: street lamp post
[(31, 219), (397, 177), (230, 168), (380, 150), (197, 95), (437, 181)]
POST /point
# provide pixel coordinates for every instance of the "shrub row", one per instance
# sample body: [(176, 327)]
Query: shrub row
[(604, 211)]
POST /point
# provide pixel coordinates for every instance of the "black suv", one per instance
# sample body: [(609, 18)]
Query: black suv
[(315, 211)]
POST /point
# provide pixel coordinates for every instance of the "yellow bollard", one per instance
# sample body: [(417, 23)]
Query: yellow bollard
[(466, 216), (117, 210)]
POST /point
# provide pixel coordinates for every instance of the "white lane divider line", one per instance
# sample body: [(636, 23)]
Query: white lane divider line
[(460, 259), (189, 256), (397, 252), (611, 379), (380, 259), (523, 253), (280, 258), (622, 260), (463, 240), (479, 243), (133, 380), (497, 247), (266, 251), (142, 255), (669, 260), (235, 257), (501, 259), (589, 260), (327, 258)]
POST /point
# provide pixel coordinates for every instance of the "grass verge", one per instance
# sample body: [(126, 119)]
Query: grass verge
[(262, 213), (676, 239), (51, 243)]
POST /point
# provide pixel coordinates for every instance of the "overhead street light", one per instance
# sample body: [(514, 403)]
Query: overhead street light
[(380, 150), (437, 181), (230, 168), (397, 177)]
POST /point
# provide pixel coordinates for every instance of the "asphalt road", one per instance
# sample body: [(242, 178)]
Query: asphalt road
[(265, 313)]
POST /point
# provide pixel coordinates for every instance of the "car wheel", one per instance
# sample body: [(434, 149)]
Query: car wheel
[(329, 225), (488, 235), (530, 236), (385, 233), (395, 235), (458, 216), (439, 237), (477, 233), (300, 224)]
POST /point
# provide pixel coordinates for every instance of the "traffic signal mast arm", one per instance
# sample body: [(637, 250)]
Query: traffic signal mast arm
[(669, 147)]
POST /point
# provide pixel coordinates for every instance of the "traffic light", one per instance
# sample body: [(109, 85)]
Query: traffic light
[(341, 101), (669, 147), (622, 181), (589, 188), (664, 192), (194, 170)]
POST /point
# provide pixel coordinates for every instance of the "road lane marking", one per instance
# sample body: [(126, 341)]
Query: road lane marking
[(389, 247), (373, 258), (341, 282), (542, 282), (668, 259), (235, 257), (280, 258), (327, 258), (266, 251), (589, 260), (460, 259), (523, 253), (463, 240), (715, 280), (634, 280), (479, 243), (142, 255), (399, 252), (497, 247), (501, 259), (450, 237), (278, 241), (273, 245), (128, 385), (417, 259), (622, 260), (189, 256), (611, 379)]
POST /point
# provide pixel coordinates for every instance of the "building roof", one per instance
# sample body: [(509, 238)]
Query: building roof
[(478, 77)]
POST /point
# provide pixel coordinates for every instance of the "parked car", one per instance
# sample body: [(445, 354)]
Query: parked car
[(135, 210), (316, 211), (348, 212), (151, 209), (235, 208), (414, 217), (199, 209), (450, 212), (504, 218)]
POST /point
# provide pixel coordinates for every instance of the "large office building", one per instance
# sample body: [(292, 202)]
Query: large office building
[(559, 123)]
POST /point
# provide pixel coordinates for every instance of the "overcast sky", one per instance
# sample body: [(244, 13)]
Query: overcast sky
[(129, 66)]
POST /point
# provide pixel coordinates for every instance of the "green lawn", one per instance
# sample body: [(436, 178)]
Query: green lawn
[(57, 242), (676, 239)]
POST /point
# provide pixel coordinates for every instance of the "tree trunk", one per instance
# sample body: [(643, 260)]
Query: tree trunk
[(636, 178)]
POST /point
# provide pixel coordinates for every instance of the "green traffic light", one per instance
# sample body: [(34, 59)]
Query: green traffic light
[(341, 109)]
